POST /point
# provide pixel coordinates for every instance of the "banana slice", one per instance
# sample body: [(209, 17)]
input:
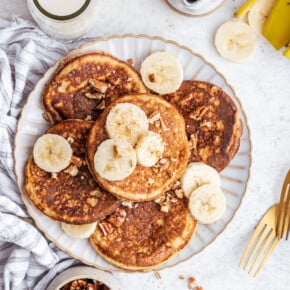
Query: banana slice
[(258, 15), (79, 231), (235, 41), (115, 159), (161, 72), (207, 204), (197, 174), (52, 153), (128, 121), (149, 149)]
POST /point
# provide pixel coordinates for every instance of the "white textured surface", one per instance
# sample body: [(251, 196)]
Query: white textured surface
[(263, 86)]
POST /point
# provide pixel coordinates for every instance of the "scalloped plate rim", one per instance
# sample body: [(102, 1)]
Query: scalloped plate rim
[(50, 72)]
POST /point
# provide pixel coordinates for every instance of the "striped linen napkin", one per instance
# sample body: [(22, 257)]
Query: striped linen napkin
[(27, 259)]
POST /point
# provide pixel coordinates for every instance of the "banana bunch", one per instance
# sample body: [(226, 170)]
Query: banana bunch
[(271, 19), (201, 185)]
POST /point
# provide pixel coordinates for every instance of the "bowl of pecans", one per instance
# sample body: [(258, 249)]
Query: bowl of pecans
[(84, 278)]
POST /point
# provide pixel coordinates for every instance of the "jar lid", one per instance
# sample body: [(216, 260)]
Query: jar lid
[(61, 10)]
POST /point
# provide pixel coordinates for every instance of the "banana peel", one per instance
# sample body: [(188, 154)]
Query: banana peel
[(277, 26), (246, 7), (287, 52)]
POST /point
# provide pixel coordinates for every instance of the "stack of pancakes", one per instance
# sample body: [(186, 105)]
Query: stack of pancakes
[(143, 219)]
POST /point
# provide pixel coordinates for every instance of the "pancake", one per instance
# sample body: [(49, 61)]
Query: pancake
[(145, 236), (84, 84), (66, 196), (212, 122), (146, 183)]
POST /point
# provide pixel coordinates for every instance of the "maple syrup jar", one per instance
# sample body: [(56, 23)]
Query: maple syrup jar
[(66, 19)]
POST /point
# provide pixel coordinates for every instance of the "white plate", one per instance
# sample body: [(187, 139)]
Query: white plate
[(137, 47)]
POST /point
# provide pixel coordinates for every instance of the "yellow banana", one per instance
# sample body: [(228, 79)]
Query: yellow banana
[(245, 8), (277, 26), (287, 52)]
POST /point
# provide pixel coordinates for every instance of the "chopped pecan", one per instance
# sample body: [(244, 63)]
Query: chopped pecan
[(117, 151), (116, 221), (163, 161), (207, 126), (127, 203), (191, 282), (176, 185), (152, 78), (76, 161), (160, 199), (198, 113), (220, 125), (155, 116), (95, 96), (101, 105), (72, 170), (106, 228), (193, 141), (163, 125), (100, 87), (157, 275), (165, 207), (54, 175), (96, 193), (130, 61), (179, 193), (88, 118), (92, 201), (118, 218), (217, 140), (120, 212), (48, 117)]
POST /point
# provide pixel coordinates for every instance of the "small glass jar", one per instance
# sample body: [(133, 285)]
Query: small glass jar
[(66, 19)]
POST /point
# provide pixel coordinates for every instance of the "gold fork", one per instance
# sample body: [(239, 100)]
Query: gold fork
[(262, 242), (283, 212)]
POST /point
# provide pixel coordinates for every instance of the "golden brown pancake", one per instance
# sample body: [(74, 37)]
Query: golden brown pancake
[(84, 84), (212, 122), (143, 235), (64, 196), (146, 183)]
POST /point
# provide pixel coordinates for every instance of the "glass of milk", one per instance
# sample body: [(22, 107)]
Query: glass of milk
[(66, 19)]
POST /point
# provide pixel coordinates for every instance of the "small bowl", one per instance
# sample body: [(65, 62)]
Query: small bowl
[(84, 272)]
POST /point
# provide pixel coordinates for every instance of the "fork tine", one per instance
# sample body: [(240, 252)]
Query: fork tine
[(261, 238), (280, 211), (256, 233), (288, 222), (266, 257), (286, 205), (271, 235)]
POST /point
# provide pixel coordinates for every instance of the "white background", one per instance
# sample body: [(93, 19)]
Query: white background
[(263, 86)]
